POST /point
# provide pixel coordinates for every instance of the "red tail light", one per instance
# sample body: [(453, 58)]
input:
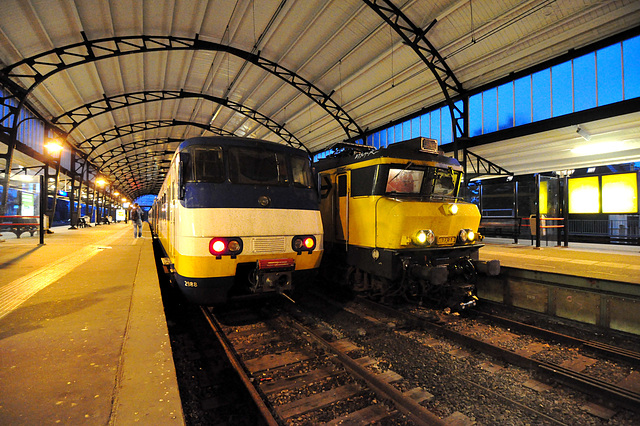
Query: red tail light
[(301, 243), (222, 246)]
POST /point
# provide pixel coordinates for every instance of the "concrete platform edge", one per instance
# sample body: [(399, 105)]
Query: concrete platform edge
[(149, 393)]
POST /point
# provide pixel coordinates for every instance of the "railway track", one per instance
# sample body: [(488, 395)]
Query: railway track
[(300, 374), (533, 355)]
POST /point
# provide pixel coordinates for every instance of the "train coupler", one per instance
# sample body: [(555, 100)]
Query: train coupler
[(273, 275)]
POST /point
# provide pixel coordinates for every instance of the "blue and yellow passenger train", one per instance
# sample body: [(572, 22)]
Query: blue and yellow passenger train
[(392, 217), (238, 217)]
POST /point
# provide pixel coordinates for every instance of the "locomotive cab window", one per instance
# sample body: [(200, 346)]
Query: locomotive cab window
[(445, 182), (208, 165), (404, 181), (301, 170), (252, 166)]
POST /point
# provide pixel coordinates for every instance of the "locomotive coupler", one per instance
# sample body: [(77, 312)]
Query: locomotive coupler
[(436, 275), (273, 275)]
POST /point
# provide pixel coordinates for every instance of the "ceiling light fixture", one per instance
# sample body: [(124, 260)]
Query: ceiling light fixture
[(586, 135)]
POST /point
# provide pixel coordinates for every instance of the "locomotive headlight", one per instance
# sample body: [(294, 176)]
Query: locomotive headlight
[(452, 209), (471, 236), (424, 237), (466, 235)]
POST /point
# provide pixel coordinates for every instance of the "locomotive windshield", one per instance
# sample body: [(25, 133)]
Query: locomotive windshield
[(424, 181), (246, 166)]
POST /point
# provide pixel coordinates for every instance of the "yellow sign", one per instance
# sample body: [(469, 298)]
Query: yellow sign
[(584, 195), (620, 193)]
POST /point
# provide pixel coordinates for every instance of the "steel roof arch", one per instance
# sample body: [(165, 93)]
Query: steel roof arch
[(79, 115), (109, 47)]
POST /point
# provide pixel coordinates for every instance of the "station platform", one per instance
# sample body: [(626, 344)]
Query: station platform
[(83, 336), (613, 262)]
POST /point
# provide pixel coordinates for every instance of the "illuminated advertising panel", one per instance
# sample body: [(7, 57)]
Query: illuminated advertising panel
[(543, 198), (584, 195), (620, 193)]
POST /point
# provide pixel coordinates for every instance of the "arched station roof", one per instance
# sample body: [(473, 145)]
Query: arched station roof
[(127, 80)]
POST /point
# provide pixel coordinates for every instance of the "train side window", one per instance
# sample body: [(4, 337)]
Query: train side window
[(363, 180), (342, 186)]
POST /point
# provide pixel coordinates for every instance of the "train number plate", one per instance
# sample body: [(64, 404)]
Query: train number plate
[(446, 241)]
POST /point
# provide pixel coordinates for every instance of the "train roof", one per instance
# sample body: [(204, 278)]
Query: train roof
[(421, 149), (239, 141)]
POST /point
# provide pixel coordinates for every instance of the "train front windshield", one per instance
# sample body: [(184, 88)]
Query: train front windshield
[(250, 166), (425, 182)]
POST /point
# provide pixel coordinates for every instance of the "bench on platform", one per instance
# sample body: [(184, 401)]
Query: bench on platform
[(19, 224)]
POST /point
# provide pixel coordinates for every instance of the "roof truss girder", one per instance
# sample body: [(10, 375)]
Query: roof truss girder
[(415, 37), (75, 117)]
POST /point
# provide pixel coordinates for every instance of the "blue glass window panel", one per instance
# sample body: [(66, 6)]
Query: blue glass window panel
[(460, 106), (376, 139), (505, 106), (425, 125), (609, 66), (475, 115), (447, 132), (383, 138), (541, 95), (370, 140), (562, 89), (490, 110), (584, 72), (631, 55), (397, 130), (435, 125), (406, 130), (522, 100), (415, 127)]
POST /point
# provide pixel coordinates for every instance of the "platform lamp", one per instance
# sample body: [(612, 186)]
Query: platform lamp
[(101, 182), (115, 203), (126, 204), (54, 148)]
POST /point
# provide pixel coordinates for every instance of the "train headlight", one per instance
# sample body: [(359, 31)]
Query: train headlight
[(223, 246), (424, 237), (234, 246), (301, 243), (452, 209), (471, 236), (467, 236)]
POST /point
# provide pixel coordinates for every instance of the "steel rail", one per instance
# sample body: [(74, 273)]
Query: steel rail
[(627, 355), (582, 382), (238, 367), (418, 413)]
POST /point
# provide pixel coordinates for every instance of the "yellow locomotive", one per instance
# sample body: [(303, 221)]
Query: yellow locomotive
[(395, 216)]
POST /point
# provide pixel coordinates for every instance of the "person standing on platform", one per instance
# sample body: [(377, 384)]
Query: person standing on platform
[(136, 218)]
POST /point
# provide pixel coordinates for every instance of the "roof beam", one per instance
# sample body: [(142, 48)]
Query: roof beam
[(72, 119), (415, 37), (39, 67)]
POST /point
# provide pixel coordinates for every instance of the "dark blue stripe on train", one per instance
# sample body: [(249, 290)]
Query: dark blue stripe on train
[(227, 195)]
